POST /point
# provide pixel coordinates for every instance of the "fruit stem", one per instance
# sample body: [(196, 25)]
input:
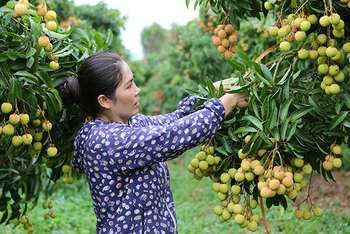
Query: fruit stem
[(263, 215)]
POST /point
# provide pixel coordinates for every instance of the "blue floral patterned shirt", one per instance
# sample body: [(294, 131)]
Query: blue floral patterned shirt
[(125, 165)]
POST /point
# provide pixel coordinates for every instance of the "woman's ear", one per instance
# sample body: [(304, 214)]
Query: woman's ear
[(104, 101)]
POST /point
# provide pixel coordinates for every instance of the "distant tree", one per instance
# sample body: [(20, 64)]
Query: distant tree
[(153, 38)]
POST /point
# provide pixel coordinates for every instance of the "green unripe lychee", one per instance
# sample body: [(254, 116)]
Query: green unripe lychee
[(339, 26), (54, 65), (331, 51), (338, 33), (324, 21), (321, 39), (285, 46), (273, 30), (312, 19), (333, 70), (328, 80), (321, 59), (43, 41), (17, 140), (300, 36), (317, 211), (6, 107), (323, 68), (303, 53), (339, 77), (14, 119), (225, 177), (314, 45), (201, 155), (51, 25), (307, 215), (268, 6), (334, 18), (195, 163), (24, 118), (322, 51), (313, 54), (298, 213), (337, 56), (50, 15), (47, 125), (305, 25), (337, 162), (27, 139), (298, 162), (20, 9), (346, 47), (282, 32), (52, 151), (218, 210), (203, 165)]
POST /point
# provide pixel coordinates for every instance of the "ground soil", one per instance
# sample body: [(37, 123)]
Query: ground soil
[(329, 193)]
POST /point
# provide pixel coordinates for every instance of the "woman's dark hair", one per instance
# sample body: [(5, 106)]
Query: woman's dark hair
[(98, 74)]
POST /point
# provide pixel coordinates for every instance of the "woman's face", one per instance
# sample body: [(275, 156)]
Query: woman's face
[(125, 103)]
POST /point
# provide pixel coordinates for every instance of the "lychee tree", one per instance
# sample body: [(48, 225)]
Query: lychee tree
[(298, 114), (36, 130)]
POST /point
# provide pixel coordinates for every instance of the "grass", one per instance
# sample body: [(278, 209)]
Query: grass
[(194, 202)]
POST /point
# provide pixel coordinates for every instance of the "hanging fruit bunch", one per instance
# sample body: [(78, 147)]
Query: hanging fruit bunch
[(36, 131), (298, 114)]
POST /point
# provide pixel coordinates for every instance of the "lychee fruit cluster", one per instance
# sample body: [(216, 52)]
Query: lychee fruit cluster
[(225, 38), (204, 163)]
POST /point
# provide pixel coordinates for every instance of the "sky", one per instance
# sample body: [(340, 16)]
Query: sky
[(143, 13)]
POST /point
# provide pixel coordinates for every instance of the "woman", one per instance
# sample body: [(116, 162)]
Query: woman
[(123, 154)]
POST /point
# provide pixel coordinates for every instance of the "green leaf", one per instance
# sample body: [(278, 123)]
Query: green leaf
[(297, 114), (266, 139), (211, 88), (314, 103), (45, 78), (264, 80), (285, 108), (267, 73), (244, 129), (59, 36), (30, 52), (285, 76), (283, 130), (99, 39), (291, 130), (272, 122), (236, 65), (27, 76), (254, 121), (245, 57), (338, 119), (109, 39), (346, 97)]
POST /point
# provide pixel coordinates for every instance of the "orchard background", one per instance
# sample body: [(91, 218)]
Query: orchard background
[(290, 57)]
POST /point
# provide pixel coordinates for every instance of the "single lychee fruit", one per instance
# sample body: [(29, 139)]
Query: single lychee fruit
[(14, 119), (285, 46), (6, 107), (17, 140), (54, 65), (324, 21), (51, 25), (43, 41), (52, 151), (24, 118), (20, 9), (27, 139), (50, 15)]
